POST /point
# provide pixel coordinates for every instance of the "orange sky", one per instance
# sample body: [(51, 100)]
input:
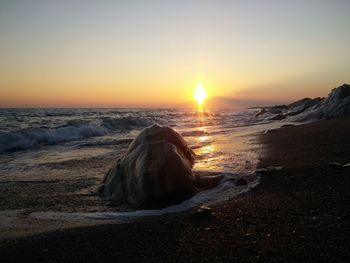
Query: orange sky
[(153, 53)]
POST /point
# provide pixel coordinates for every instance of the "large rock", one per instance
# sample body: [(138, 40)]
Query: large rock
[(277, 117), (277, 109), (336, 104), (299, 106), (261, 112), (155, 171)]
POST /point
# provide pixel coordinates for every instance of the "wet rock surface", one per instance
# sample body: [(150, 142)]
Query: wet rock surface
[(155, 171), (336, 104), (278, 117)]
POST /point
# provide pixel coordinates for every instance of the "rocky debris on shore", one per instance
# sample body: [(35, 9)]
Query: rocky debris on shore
[(278, 117), (261, 112), (277, 109), (299, 106), (336, 104)]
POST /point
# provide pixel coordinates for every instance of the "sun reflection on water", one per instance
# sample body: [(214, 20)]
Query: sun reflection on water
[(207, 152)]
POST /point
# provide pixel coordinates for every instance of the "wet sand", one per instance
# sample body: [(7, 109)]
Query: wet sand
[(45, 191), (298, 214), (69, 186)]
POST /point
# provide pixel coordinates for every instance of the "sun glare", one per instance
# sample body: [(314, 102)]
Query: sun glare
[(200, 93)]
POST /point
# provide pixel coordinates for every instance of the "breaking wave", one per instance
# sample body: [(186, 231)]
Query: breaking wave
[(74, 130)]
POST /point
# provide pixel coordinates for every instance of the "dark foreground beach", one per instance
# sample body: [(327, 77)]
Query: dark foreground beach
[(297, 214)]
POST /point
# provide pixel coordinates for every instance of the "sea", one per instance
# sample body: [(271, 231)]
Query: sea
[(33, 129), (53, 160)]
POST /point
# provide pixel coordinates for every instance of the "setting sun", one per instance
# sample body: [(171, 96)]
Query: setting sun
[(200, 93)]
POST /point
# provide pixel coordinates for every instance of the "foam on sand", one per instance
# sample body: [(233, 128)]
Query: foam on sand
[(210, 196)]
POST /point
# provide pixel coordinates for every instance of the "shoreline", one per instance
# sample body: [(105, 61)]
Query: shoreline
[(46, 204), (297, 214)]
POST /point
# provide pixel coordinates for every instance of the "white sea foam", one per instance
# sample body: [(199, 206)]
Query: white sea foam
[(29, 138), (74, 130), (209, 196), (84, 133)]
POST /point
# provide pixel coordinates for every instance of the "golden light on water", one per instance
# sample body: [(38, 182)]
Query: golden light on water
[(200, 94), (207, 158)]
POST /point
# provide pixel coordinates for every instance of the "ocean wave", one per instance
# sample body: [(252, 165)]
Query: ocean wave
[(31, 138), (22, 129), (106, 143), (126, 123), (73, 130)]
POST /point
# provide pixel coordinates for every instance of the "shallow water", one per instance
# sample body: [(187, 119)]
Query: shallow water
[(53, 160), (33, 138)]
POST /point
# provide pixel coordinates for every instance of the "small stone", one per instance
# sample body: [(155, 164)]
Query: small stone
[(203, 211), (241, 182)]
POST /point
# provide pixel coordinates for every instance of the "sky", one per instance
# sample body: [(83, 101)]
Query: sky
[(154, 53)]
